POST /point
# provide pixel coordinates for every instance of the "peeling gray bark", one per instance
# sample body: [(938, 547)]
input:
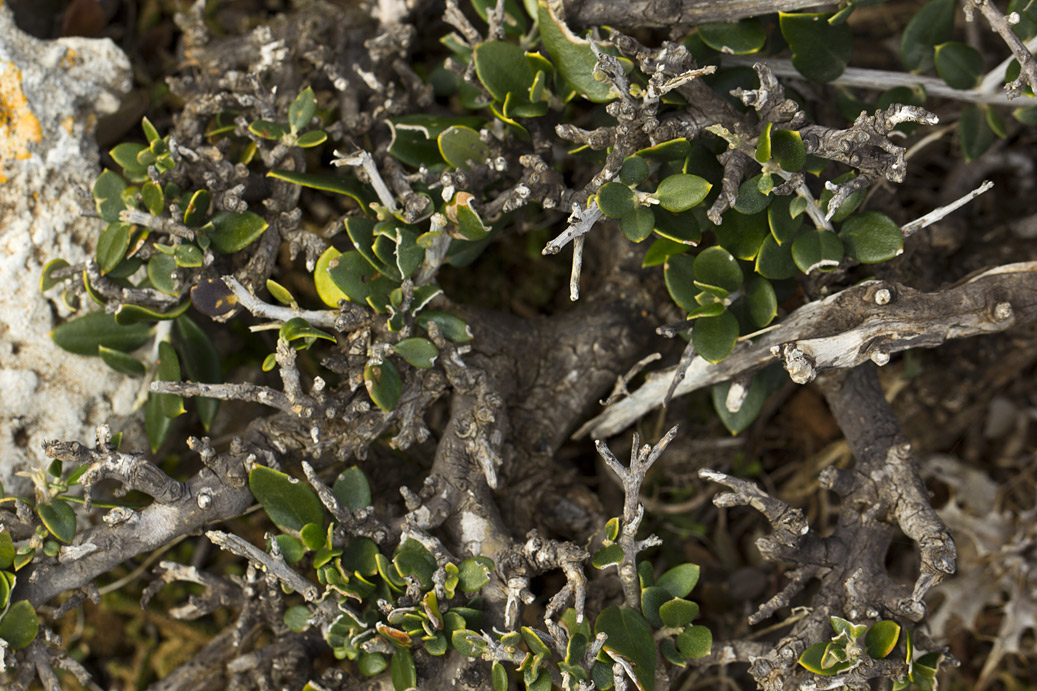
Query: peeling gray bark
[(674, 13)]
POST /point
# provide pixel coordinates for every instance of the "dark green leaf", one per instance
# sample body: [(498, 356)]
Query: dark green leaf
[(383, 383), (662, 249), (108, 195), (354, 276), (327, 290), (820, 51), (682, 228), (291, 548), (932, 25), (133, 314), (714, 337), (742, 235), (310, 139), (84, 334), (297, 327), (415, 137), (197, 209), (788, 150), (20, 625), (881, 638), (573, 56), (296, 618), (670, 150), (402, 670), (112, 246), (313, 536), (775, 261), (352, 489), (462, 147), (652, 598), (169, 370), (188, 256), (289, 503), (637, 224), (871, 237), (474, 573), (500, 676), (717, 271), (121, 362), (607, 556), (234, 231), (267, 130), (125, 155), (302, 110), (695, 642), (453, 328), (680, 580), (849, 205), (156, 424), (629, 638), (974, 133), (468, 643), (681, 192), (750, 199), (741, 38), (419, 352), (634, 171), (59, 518), (339, 184), (760, 300), (503, 69), (615, 199), (761, 386), (678, 612), (679, 274), (959, 65), (817, 250), (162, 273), (515, 22), (47, 280)]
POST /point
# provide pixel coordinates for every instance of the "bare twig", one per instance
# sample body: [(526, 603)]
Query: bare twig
[(909, 229)]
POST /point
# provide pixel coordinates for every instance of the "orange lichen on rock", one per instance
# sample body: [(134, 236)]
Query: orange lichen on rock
[(18, 125)]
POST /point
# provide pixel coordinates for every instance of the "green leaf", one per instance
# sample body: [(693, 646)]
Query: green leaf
[(817, 250), (172, 405), (679, 580), (383, 383), (615, 199), (871, 237), (156, 424), (20, 625), (402, 670), (959, 65), (308, 140), (415, 137), (280, 293), (812, 657), (466, 220), (468, 643), (848, 206), (162, 273), (717, 271), (679, 274), (820, 51), (197, 209), (121, 362), (742, 235), (661, 250), (327, 290), (629, 638), (652, 598), (297, 327), (573, 56), (882, 638), (750, 199), (234, 231), (775, 261), (6, 550), (352, 489), (418, 352), (741, 38), (607, 556), (108, 195), (788, 150), (313, 536), (150, 133), (47, 280), (930, 26), (267, 130), (338, 184), (612, 529), (634, 171), (695, 642), (296, 618), (453, 328), (974, 133), (289, 503), (462, 147), (761, 300), (637, 224), (503, 69), (84, 334), (761, 386), (474, 573), (355, 278), (302, 110), (515, 22), (291, 548), (188, 256), (201, 361), (678, 612), (681, 192), (500, 676), (112, 246), (125, 155), (59, 518)]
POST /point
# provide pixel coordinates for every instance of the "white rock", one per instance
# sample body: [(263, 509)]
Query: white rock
[(51, 94)]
